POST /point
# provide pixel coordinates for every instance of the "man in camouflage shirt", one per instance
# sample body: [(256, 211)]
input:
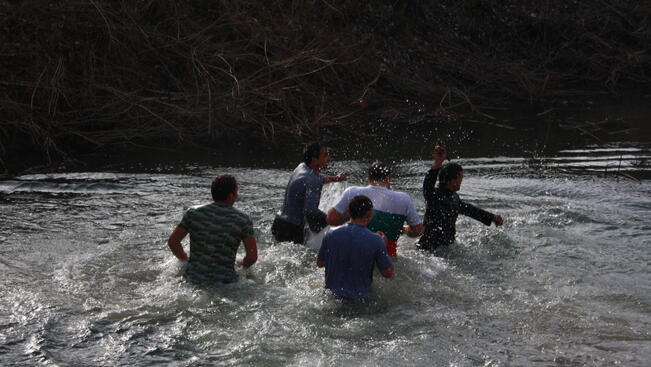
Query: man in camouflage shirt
[(216, 230)]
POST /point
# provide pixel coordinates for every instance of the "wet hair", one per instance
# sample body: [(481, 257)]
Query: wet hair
[(378, 171), (221, 186), (359, 206), (312, 151), (449, 172)]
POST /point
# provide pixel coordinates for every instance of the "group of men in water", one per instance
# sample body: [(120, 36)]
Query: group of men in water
[(368, 220)]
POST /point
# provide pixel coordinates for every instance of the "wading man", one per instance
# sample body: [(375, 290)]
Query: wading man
[(302, 196), (349, 253), (390, 208), (444, 205), (216, 230)]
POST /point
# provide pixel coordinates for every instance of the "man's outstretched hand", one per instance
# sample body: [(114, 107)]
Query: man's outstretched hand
[(338, 178)]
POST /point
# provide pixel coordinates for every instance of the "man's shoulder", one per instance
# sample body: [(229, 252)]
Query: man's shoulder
[(198, 208), (239, 212), (399, 195), (226, 211), (337, 230), (304, 174), (362, 231), (355, 190), (299, 172), (348, 228), (349, 231)]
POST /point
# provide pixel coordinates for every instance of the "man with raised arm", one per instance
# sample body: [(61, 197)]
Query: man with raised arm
[(443, 205), (390, 208), (349, 253), (302, 196), (216, 230)]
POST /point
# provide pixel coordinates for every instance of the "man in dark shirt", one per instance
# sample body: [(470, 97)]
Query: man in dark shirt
[(444, 205), (302, 196)]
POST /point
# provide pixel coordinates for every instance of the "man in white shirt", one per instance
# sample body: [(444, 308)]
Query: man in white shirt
[(390, 208)]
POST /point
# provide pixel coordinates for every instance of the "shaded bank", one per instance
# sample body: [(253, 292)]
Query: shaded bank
[(79, 76)]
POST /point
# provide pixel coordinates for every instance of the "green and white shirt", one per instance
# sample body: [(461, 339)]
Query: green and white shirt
[(390, 209)]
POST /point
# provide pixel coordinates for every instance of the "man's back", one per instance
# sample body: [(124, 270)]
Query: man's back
[(350, 252), (216, 231), (443, 206), (303, 193), (390, 209)]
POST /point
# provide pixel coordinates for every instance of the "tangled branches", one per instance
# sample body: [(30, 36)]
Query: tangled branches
[(84, 74)]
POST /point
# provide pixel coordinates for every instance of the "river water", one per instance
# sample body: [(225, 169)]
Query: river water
[(87, 278)]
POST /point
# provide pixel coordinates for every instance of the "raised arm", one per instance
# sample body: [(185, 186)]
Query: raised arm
[(440, 153), (429, 184)]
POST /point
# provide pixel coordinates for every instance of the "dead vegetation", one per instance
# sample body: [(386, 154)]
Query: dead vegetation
[(80, 75)]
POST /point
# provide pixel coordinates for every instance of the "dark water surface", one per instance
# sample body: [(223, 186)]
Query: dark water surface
[(87, 278)]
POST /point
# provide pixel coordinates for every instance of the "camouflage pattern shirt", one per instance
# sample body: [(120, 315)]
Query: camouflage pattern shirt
[(216, 230)]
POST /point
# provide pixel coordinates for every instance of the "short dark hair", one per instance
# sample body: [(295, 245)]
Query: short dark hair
[(449, 172), (378, 171), (221, 186), (312, 151), (359, 206)]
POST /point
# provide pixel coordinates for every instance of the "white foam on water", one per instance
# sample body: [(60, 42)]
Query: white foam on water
[(92, 279), (330, 194)]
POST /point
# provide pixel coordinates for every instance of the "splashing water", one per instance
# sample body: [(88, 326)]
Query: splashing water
[(88, 278)]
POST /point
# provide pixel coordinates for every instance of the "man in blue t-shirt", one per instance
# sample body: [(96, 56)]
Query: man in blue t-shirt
[(350, 252)]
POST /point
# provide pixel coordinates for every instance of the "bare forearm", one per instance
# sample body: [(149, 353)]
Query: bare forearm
[(177, 250), (413, 231), (334, 218), (248, 261), (251, 248), (388, 272), (174, 243), (337, 178)]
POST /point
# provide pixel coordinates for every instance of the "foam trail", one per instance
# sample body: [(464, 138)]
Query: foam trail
[(330, 194)]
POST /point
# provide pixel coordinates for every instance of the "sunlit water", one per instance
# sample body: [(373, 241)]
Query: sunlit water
[(87, 278)]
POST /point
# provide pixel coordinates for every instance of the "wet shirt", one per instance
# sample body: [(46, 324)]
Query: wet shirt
[(390, 209), (350, 252), (443, 208), (302, 199), (216, 231)]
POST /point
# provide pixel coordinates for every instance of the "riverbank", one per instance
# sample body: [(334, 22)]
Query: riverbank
[(84, 77)]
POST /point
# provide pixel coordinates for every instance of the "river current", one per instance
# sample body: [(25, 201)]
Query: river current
[(88, 280)]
